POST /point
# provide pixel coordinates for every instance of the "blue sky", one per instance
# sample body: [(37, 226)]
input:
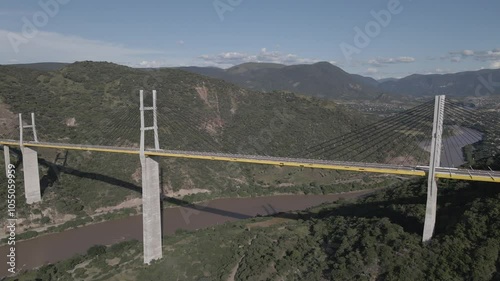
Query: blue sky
[(421, 36)]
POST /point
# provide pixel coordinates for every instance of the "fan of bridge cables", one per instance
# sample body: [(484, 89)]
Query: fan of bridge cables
[(464, 128), (179, 128), (188, 130), (118, 127), (401, 139), (405, 138)]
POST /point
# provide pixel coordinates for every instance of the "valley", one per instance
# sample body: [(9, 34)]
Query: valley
[(96, 192), (233, 140)]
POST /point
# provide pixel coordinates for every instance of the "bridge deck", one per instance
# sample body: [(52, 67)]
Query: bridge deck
[(449, 173)]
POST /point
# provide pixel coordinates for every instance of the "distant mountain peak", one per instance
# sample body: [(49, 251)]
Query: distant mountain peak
[(466, 83), (323, 63), (252, 66), (321, 79)]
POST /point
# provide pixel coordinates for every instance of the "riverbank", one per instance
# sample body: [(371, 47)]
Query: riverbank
[(55, 247)]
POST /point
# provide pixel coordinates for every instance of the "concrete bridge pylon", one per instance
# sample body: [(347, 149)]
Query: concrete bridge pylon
[(151, 209), (31, 174), (435, 159)]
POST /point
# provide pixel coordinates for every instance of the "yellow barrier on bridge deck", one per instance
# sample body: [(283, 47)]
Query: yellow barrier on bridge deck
[(396, 170)]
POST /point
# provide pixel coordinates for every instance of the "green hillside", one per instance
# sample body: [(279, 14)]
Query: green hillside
[(376, 238), (97, 103), (46, 66)]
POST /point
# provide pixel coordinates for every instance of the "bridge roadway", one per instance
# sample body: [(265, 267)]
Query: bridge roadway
[(448, 173)]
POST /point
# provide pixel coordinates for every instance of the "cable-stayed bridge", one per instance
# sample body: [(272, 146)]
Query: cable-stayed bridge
[(427, 140), (441, 172)]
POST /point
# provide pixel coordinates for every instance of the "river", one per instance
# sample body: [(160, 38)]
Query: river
[(55, 247)]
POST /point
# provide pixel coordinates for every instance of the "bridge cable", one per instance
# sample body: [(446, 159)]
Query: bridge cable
[(361, 139), (402, 137), (196, 134), (355, 134), (453, 141), (467, 134), (370, 128), (176, 127), (381, 136), (373, 143), (119, 129)]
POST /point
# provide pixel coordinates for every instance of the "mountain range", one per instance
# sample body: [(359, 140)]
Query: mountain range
[(470, 83), (321, 79), (325, 80)]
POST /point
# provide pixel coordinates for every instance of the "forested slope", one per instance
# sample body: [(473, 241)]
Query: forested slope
[(98, 103), (376, 238)]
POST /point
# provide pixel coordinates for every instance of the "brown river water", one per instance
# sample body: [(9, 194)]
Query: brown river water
[(55, 247)]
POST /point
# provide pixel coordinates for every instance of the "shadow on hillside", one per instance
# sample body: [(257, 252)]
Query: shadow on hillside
[(54, 171), (452, 204), (18, 158), (364, 209)]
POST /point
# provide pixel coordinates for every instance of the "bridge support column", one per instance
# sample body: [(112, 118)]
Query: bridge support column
[(6, 156), (31, 174), (151, 211), (435, 159), (32, 190)]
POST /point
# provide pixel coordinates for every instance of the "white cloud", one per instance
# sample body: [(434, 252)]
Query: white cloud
[(180, 42), (437, 71), (489, 55), (152, 64), (50, 46), (233, 58), (371, 70), (495, 64), (468, 52), (385, 61), (483, 56), (405, 59)]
